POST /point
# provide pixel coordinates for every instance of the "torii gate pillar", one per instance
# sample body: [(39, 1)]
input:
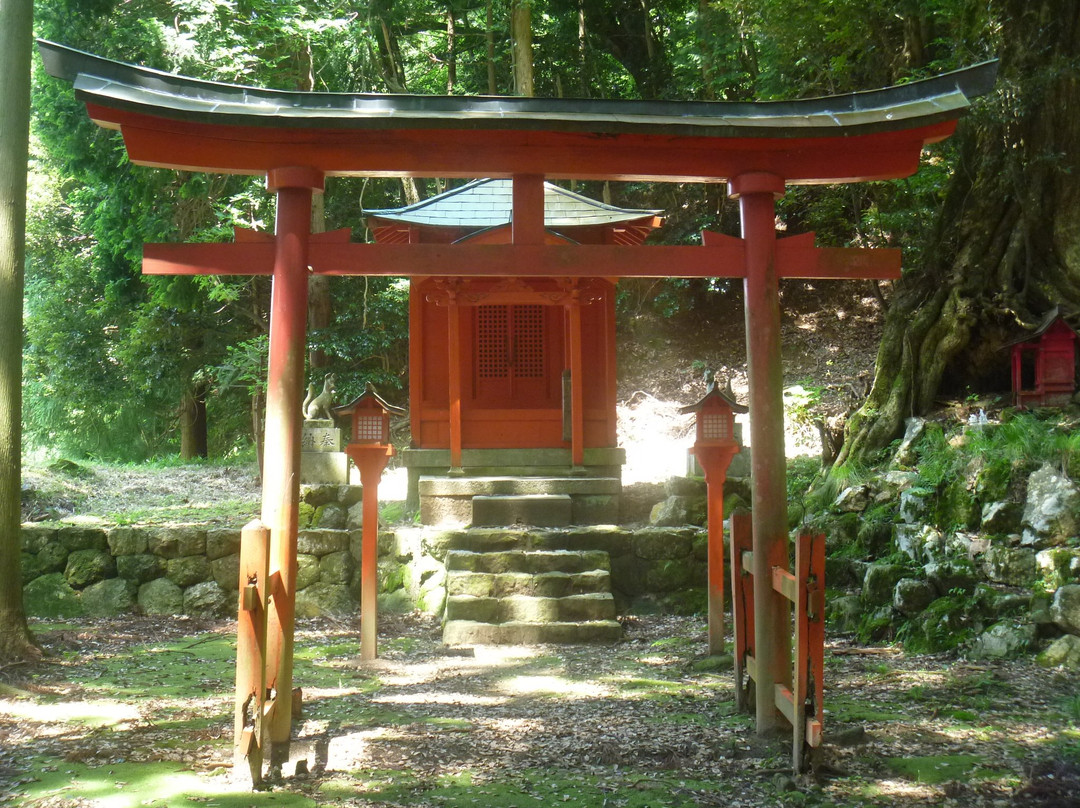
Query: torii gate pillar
[(281, 456), (757, 192)]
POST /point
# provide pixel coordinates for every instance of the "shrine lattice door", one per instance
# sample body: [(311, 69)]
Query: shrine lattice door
[(517, 361)]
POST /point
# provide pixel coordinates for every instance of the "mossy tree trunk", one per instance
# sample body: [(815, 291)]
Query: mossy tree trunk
[(15, 41), (1006, 247)]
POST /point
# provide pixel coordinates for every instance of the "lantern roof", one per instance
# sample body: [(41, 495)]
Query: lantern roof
[(714, 393), (489, 203), (364, 398)]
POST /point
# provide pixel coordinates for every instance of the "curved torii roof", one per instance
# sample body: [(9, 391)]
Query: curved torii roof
[(178, 122)]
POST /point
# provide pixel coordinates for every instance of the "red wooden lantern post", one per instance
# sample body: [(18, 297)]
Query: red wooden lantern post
[(370, 450), (714, 447)]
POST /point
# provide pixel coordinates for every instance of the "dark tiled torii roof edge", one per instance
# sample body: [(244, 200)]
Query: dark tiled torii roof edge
[(139, 89)]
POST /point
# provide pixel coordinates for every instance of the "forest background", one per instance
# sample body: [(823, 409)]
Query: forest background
[(122, 367)]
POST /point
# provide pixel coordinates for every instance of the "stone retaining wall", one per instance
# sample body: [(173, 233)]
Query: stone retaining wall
[(70, 571)]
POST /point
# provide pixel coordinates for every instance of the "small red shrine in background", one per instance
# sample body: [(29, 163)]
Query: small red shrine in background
[(1044, 364), (492, 359)]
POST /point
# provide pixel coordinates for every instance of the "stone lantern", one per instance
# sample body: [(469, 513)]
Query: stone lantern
[(370, 449), (714, 446)]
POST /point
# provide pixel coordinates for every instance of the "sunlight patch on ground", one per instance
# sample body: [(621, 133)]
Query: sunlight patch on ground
[(457, 699), (89, 713), (553, 685)]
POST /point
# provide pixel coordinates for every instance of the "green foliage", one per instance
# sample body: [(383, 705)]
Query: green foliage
[(111, 354)]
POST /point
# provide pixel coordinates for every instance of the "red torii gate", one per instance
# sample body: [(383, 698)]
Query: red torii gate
[(296, 140)]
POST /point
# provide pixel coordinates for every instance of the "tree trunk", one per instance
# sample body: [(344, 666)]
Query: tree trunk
[(521, 37), (1006, 246), (320, 303), (16, 18), (193, 422), (489, 38), (451, 50)]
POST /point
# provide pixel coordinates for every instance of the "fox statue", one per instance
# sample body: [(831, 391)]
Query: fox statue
[(320, 406)]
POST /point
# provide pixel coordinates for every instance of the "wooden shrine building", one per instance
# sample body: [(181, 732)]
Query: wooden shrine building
[(297, 140), (491, 369), (1044, 363)]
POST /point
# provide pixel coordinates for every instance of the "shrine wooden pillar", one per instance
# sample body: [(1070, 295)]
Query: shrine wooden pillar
[(757, 192), (453, 370), (281, 464)]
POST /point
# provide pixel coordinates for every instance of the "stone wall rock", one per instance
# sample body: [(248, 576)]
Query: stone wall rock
[(85, 567), (109, 598), (1052, 510), (1065, 608), (161, 596)]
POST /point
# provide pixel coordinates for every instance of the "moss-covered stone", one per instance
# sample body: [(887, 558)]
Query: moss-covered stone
[(127, 541), (1013, 566), (399, 602), (177, 542), (322, 542), (844, 613), (305, 515), (1065, 608), (912, 595), (437, 542), (188, 571), (207, 599), (330, 516), (392, 576), (671, 574), (109, 598), (35, 537), (321, 600), (221, 543), (85, 567), (140, 568), (52, 558), (336, 568), (655, 544), (1064, 652), (1058, 566), (950, 575), (307, 571), (82, 538), (879, 581), (161, 596), (226, 572), (51, 596)]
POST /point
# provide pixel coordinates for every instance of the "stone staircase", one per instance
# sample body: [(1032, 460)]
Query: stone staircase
[(519, 596)]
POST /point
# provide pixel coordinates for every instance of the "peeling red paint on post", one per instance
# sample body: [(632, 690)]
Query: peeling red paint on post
[(756, 193), (281, 467)]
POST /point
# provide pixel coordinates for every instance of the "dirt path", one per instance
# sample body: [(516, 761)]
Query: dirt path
[(147, 703)]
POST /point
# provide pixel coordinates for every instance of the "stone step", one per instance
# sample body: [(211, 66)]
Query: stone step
[(533, 561), (545, 584), (467, 632), (531, 609), (542, 510), (517, 486)]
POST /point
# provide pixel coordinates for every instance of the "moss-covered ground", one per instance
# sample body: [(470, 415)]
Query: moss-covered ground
[(138, 712)]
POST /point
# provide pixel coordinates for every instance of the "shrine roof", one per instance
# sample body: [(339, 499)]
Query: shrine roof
[(489, 202), (122, 86)]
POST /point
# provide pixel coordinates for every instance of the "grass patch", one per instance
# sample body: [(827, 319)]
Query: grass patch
[(943, 768), (530, 787), (849, 711), (141, 785)]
